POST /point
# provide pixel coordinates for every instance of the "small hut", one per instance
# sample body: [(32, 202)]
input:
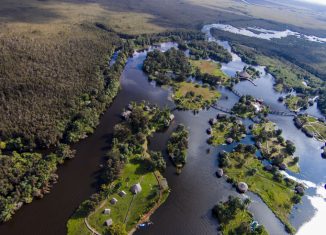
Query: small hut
[(108, 222), (107, 211), (282, 166), (113, 201), (268, 167), (219, 172), (229, 140), (299, 189), (244, 75), (209, 131), (323, 155), (136, 188), (242, 187), (122, 193), (239, 122), (212, 121), (281, 99), (171, 117)]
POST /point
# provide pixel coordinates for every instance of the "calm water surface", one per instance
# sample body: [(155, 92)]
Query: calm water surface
[(196, 190)]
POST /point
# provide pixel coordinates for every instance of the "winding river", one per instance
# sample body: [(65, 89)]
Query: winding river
[(196, 190)]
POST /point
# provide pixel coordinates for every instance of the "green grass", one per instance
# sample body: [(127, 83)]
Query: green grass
[(315, 126), (294, 103), (273, 143), (242, 216), (130, 208), (210, 67), (202, 97), (276, 195), (225, 128)]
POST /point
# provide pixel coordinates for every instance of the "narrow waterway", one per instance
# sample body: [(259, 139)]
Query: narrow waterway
[(196, 190)]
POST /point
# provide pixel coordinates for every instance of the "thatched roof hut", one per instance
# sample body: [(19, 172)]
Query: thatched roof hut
[(282, 166), (136, 188), (113, 201), (244, 75), (212, 121), (299, 189), (107, 211), (229, 140), (268, 167), (219, 172), (122, 193), (242, 187), (108, 222), (209, 131)]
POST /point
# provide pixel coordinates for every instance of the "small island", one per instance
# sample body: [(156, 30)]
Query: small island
[(249, 107), (190, 96), (177, 146), (209, 72), (135, 187), (273, 147), (246, 172), (225, 129), (311, 126), (296, 103), (234, 218)]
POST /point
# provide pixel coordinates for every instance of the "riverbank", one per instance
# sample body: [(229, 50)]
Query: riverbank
[(135, 185)]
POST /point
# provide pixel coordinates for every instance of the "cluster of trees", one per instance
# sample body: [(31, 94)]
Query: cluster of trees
[(25, 175), (129, 138), (164, 66), (225, 212), (245, 107), (178, 145), (201, 49)]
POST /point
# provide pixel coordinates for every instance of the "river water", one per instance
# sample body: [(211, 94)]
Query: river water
[(194, 192)]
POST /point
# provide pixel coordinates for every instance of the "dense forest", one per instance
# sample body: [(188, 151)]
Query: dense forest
[(208, 50), (164, 66), (57, 112)]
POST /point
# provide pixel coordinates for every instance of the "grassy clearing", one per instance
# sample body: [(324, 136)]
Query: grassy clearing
[(193, 96), (234, 217), (277, 195), (272, 145), (129, 208), (226, 128), (210, 67), (295, 103), (315, 126)]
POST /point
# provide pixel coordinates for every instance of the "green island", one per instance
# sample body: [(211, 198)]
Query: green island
[(202, 49), (192, 96), (234, 218), (135, 187), (209, 72), (311, 126), (273, 146), (225, 129), (173, 68), (249, 107), (178, 145), (242, 165), (296, 103)]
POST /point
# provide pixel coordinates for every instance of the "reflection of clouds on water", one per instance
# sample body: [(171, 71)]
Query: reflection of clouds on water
[(318, 201), (264, 33)]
